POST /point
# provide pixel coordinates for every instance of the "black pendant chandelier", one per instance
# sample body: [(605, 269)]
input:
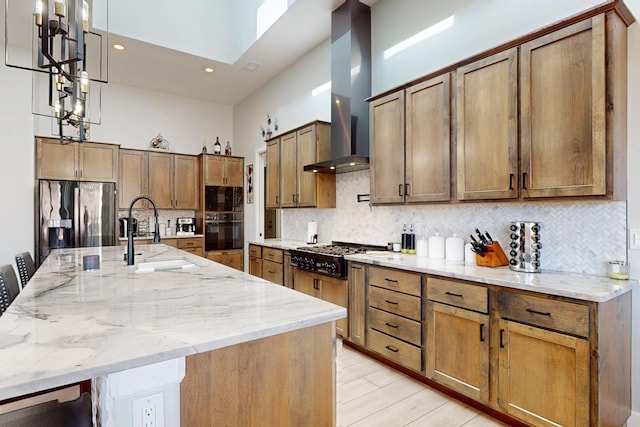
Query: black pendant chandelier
[(69, 61)]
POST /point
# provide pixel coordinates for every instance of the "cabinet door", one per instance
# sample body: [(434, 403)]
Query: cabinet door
[(428, 144), (289, 170), (563, 112), (214, 170), (255, 266), (306, 282), (186, 182), (458, 349), (234, 172), (99, 162), (336, 291), (55, 160), (357, 303), (543, 376), (273, 174), (230, 258), (161, 179), (307, 148), (487, 128), (133, 178), (386, 124)]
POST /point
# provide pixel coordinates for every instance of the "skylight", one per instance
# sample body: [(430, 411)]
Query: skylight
[(267, 14), (421, 36)]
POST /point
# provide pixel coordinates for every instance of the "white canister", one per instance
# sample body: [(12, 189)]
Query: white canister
[(422, 247), (436, 246), (454, 248), (469, 255)]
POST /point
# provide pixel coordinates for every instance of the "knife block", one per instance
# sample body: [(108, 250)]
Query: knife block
[(494, 257)]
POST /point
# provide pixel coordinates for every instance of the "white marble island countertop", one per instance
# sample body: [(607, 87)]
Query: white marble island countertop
[(70, 325)]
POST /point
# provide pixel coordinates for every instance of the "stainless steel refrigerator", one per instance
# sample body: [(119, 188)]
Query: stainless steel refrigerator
[(75, 214)]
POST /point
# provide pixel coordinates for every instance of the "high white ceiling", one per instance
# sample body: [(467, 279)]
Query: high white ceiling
[(302, 27)]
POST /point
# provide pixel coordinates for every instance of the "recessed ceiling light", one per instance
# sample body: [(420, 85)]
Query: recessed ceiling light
[(208, 69), (118, 47)]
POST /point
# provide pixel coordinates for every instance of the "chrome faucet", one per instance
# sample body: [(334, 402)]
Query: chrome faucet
[(156, 231)]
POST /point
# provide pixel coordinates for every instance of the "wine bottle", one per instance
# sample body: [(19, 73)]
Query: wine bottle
[(204, 147), (227, 149), (217, 148)]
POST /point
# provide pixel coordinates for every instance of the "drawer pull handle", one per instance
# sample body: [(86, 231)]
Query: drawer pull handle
[(532, 311), (390, 280), (453, 295), (391, 302), (391, 325), (501, 338), (392, 348), (271, 272), (481, 332)]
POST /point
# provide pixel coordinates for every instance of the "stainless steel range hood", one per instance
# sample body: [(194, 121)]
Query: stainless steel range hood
[(350, 86)]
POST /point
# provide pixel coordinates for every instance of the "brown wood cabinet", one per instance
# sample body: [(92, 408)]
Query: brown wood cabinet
[(273, 174), (458, 337), (357, 303), (272, 267), (173, 180), (295, 187), (225, 171), (487, 128), (231, 257), (563, 104), (255, 260), (394, 315), (87, 161), (327, 288), (411, 144), (133, 177)]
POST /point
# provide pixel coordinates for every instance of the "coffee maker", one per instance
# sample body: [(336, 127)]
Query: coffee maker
[(185, 226)]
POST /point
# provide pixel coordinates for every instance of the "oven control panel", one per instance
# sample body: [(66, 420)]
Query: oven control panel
[(331, 266)]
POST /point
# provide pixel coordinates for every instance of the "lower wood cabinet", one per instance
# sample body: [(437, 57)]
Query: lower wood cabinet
[(230, 257), (543, 376), (327, 288), (267, 263), (357, 303)]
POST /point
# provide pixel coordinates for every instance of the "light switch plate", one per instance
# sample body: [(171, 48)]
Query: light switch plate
[(634, 238)]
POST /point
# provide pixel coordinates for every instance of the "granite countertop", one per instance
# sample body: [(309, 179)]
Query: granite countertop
[(572, 285), (69, 325)]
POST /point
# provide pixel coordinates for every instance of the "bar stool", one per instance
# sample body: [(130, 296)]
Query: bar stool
[(9, 288), (26, 267)]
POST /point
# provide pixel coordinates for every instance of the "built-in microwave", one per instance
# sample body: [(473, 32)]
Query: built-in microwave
[(223, 199)]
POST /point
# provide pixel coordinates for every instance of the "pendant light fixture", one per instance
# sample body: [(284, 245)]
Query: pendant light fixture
[(69, 59)]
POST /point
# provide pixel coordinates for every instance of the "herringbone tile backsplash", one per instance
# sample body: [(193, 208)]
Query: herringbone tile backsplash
[(577, 236)]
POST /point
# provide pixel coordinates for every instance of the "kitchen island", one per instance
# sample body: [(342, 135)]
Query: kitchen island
[(70, 325)]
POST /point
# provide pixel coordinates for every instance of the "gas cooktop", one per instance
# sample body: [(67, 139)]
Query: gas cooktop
[(328, 259)]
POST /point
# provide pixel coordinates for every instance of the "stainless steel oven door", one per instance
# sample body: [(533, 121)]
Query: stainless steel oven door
[(223, 231)]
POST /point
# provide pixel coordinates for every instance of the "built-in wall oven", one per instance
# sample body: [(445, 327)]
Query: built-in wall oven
[(223, 230), (223, 199)]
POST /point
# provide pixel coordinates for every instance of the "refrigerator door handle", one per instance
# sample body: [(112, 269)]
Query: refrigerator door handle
[(76, 217)]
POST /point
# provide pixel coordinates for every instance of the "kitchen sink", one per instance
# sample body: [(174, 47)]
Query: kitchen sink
[(164, 264)]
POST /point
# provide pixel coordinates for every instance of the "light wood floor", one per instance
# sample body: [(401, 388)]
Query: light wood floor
[(370, 394)]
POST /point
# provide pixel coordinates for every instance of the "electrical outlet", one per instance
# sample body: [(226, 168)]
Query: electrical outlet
[(149, 411), (634, 238)]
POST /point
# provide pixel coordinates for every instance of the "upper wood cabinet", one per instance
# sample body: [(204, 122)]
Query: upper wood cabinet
[(411, 144), (133, 177), (487, 128), (86, 161), (297, 188), (563, 104), (223, 171), (173, 180), (273, 174)]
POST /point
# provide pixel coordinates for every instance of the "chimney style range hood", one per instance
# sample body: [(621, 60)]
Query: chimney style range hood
[(350, 86)]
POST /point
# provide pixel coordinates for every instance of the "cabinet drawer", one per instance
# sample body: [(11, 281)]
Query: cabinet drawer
[(399, 327), (405, 354), (396, 280), (395, 302), (272, 271), (558, 315), (195, 251), (458, 294), (271, 254), (255, 251), (191, 242)]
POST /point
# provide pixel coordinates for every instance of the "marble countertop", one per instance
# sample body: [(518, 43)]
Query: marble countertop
[(571, 285), (69, 325), (150, 236)]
